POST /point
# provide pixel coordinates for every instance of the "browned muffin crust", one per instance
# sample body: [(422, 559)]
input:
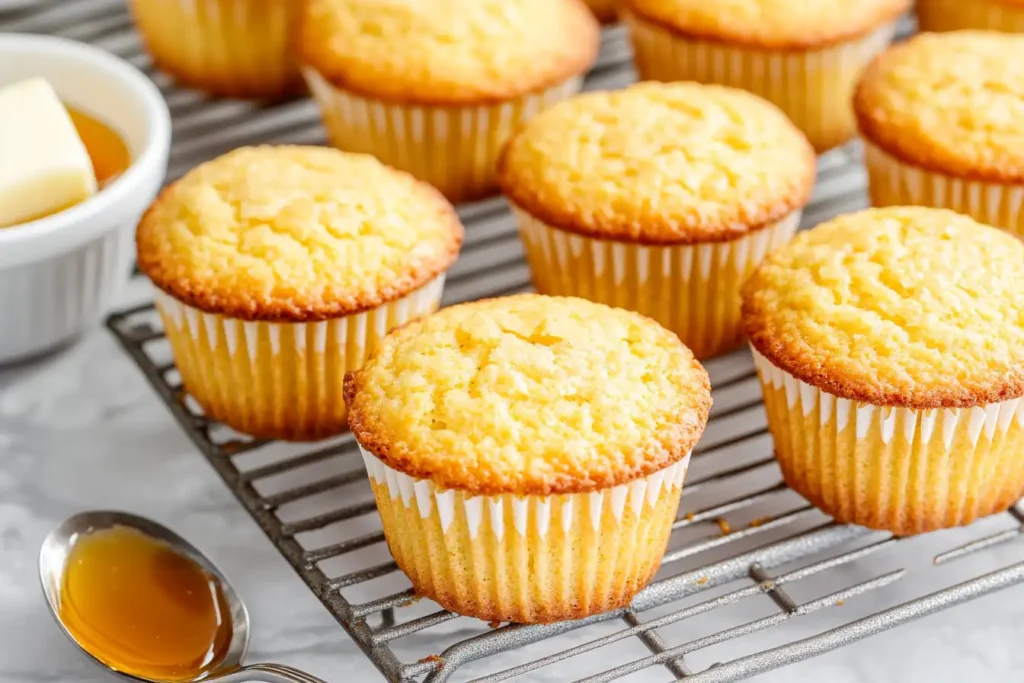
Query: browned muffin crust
[(759, 34), (251, 235), (939, 102), (606, 165), (387, 54), (673, 443), (901, 306)]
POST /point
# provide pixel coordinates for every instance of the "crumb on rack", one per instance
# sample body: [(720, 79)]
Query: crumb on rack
[(494, 624), (411, 601), (840, 603), (689, 516), (702, 580), (432, 658), (723, 526), (760, 521)]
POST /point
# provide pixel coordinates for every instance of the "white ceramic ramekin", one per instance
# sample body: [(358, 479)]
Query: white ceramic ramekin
[(59, 274)]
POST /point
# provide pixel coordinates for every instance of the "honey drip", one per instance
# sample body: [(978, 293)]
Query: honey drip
[(108, 152), (143, 608)]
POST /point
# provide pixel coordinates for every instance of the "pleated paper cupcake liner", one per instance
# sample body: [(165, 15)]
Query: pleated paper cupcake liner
[(814, 87), (954, 15), (898, 469), (280, 380), (692, 289), (527, 559), (234, 48), (455, 149), (892, 182)]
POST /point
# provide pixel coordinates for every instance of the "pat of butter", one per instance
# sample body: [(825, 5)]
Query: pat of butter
[(44, 167)]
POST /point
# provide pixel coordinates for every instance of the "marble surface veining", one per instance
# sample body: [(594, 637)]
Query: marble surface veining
[(81, 429)]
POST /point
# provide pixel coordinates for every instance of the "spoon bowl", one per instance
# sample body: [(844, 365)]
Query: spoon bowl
[(53, 563)]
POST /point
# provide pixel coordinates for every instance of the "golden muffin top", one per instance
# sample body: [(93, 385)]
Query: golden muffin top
[(903, 306), (770, 24), (447, 52), (949, 102), (295, 234), (660, 164), (531, 395)]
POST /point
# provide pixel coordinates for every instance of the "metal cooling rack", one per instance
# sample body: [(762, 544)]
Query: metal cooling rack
[(745, 546)]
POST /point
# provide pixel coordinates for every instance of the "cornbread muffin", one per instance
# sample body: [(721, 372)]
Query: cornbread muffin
[(435, 87), (942, 117), (606, 11), (233, 48), (660, 198), (953, 15), (803, 55), (890, 347), (527, 453), (278, 268)]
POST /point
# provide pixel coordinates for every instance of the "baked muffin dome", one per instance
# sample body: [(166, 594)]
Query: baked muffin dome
[(447, 52), (773, 24), (529, 395), (951, 103), (660, 164), (904, 306), (295, 234)]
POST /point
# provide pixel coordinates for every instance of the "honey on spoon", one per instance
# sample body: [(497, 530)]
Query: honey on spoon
[(144, 603), (142, 608)]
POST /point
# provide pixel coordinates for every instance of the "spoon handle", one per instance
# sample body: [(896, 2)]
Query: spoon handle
[(269, 673)]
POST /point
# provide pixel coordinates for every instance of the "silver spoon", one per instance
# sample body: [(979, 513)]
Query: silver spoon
[(53, 558)]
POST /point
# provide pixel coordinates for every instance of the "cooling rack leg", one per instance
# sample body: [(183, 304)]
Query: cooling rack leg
[(778, 596), (656, 645)]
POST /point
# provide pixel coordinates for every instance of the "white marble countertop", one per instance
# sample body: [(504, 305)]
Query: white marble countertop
[(81, 429)]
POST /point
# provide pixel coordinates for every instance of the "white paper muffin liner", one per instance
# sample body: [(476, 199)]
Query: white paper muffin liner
[(280, 380), (237, 48), (892, 182), (813, 87), (895, 468), (527, 558), (691, 289), (455, 149)]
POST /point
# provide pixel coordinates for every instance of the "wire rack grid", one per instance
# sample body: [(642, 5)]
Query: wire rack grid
[(745, 546)]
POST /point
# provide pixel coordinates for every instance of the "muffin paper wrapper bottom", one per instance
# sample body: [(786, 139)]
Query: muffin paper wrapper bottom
[(953, 15), (903, 470), (894, 183), (693, 290), (280, 380), (814, 87), (228, 47), (527, 558), (455, 149)]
